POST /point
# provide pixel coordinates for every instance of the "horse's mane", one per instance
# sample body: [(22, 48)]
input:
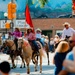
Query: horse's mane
[(10, 43)]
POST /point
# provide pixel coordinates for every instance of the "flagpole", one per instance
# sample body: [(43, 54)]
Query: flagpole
[(28, 18), (25, 13), (25, 21)]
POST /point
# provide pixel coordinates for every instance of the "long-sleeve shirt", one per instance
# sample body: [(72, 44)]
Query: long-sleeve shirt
[(31, 36), (38, 35), (16, 34), (68, 32)]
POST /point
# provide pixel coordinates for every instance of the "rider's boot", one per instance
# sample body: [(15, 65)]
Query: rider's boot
[(37, 52)]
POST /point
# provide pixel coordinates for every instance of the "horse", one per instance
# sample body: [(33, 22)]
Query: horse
[(47, 51), (46, 46), (13, 52), (28, 54)]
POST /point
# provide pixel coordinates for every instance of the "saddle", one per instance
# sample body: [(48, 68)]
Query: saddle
[(68, 37), (33, 47)]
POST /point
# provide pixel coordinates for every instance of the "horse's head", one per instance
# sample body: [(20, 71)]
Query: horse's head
[(10, 44), (20, 42), (4, 44)]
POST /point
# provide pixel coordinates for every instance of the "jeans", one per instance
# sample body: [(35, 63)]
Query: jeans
[(35, 44), (15, 40)]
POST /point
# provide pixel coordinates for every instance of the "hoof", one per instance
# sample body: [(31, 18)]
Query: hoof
[(40, 71), (36, 70), (28, 72), (21, 67), (24, 67), (12, 67)]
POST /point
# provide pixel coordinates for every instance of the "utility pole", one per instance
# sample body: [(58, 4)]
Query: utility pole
[(13, 21)]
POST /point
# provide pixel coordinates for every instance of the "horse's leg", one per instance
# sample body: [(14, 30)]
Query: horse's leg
[(28, 68), (37, 59), (40, 63), (23, 62), (27, 62), (47, 52), (48, 57), (13, 65), (36, 62)]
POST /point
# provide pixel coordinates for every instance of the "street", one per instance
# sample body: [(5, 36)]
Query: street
[(46, 69)]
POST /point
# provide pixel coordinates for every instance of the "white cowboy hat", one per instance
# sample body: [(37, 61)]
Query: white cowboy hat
[(30, 28), (38, 29), (66, 23)]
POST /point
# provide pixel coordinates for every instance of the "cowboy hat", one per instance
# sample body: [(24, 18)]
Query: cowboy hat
[(66, 23), (38, 29), (30, 28)]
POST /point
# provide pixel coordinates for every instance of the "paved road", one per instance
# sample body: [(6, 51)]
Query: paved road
[(47, 69)]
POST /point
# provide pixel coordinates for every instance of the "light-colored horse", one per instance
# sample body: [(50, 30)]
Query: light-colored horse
[(13, 52), (27, 50)]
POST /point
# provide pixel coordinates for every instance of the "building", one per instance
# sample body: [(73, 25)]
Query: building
[(52, 26), (49, 27)]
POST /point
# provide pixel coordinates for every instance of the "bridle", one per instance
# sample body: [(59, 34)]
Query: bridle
[(21, 45)]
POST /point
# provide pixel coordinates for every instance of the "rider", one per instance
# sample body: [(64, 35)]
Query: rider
[(39, 36), (31, 38), (17, 33), (67, 31)]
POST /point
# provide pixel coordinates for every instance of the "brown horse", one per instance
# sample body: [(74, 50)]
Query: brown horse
[(27, 50), (13, 52), (47, 51), (46, 43)]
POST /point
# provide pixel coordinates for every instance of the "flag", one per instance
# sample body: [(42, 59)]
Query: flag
[(28, 18)]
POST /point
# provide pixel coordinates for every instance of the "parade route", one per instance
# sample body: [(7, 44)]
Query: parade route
[(46, 69)]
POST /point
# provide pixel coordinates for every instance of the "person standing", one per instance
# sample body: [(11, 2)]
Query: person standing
[(67, 31), (69, 62), (60, 54), (5, 68)]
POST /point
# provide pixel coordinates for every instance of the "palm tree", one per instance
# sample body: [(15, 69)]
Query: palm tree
[(41, 2)]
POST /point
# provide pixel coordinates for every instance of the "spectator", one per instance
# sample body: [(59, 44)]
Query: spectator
[(69, 60), (4, 68), (56, 41), (51, 45), (60, 55)]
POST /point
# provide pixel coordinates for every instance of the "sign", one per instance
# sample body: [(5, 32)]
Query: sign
[(2, 23), (19, 23)]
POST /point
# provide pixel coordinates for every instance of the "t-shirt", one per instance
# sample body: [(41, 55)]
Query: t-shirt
[(38, 35), (67, 32), (69, 56), (58, 60)]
